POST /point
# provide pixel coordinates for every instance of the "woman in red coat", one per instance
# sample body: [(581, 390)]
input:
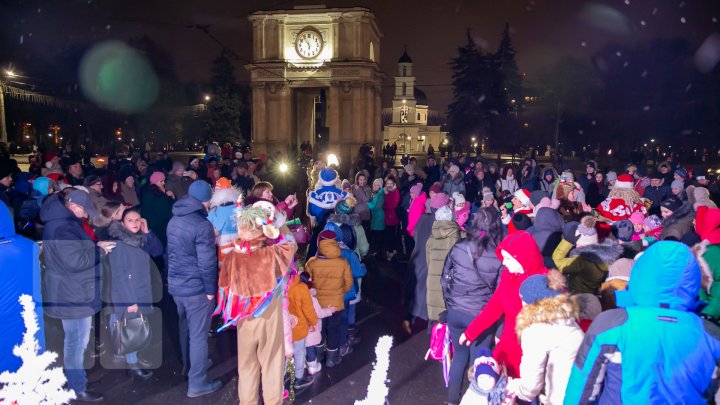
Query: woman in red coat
[(521, 257), (392, 200)]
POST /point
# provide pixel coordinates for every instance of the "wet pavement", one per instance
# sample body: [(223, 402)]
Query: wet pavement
[(411, 379)]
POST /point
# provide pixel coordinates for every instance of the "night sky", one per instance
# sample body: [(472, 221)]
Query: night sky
[(543, 31)]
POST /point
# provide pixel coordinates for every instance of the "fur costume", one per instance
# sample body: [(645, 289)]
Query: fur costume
[(620, 204), (322, 200), (222, 217)]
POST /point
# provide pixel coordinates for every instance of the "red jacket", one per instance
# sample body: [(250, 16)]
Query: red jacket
[(392, 199), (506, 299)]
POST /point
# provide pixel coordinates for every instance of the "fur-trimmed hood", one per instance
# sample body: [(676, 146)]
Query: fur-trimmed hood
[(707, 275), (559, 309), (347, 219), (224, 196), (119, 232), (606, 252)]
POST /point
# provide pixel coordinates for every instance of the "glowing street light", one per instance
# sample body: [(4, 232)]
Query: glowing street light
[(207, 97), (472, 139), (652, 140), (332, 159), (283, 168), (10, 73)]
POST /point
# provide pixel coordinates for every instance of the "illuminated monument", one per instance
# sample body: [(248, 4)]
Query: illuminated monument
[(315, 78)]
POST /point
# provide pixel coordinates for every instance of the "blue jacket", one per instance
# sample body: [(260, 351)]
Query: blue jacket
[(20, 274), (192, 256), (73, 265), (356, 267), (653, 350)]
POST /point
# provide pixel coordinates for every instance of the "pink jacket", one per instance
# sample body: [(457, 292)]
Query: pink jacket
[(287, 327), (314, 337), (417, 209)]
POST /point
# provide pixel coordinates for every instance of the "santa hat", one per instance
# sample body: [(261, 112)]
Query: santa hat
[(524, 196), (624, 181), (328, 177)]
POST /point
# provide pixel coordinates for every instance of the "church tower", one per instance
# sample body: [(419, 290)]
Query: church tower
[(404, 100)]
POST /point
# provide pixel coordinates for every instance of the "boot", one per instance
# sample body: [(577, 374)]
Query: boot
[(333, 358), (314, 367), (345, 350), (353, 336), (320, 353)]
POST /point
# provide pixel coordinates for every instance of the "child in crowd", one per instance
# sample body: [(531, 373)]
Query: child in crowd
[(638, 221), (313, 341), (302, 309), (652, 226)]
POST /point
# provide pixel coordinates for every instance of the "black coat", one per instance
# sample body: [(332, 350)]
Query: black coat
[(469, 282), (547, 232), (73, 266), (192, 255), (132, 269)]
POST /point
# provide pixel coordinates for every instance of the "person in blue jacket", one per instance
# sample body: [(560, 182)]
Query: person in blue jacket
[(652, 349)]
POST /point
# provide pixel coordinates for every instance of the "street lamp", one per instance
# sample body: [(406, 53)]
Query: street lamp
[(10, 73), (207, 98), (283, 168)]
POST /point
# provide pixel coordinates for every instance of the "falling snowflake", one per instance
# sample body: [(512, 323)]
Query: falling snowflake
[(643, 23), (625, 64), (30, 34), (618, 53), (481, 99), (714, 19), (581, 132), (39, 10), (22, 39), (583, 44), (689, 86), (646, 108), (683, 20), (644, 73)]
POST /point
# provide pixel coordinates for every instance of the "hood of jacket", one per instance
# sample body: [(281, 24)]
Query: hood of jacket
[(445, 229), (54, 209), (364, 173), (187, 205), (329, 248), (667, 275), (333, 226), (548, 219), (606, 252), (42, 184), (524, 249), (7, 230), (347, 219), (707, 224), (224, 196), (684, 211), (119, 232)]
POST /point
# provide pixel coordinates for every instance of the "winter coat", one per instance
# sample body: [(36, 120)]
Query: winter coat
[(331, 274), (432, 175), (178, 185), (314, 337), (392, 199), (132, 269), (301, 306), (469, 277), (322, 201), (596, 193), (129, 195), (652, 349), (475, 189), (417, 265), (505, 300), (607, 292), (510, 185), (550, 338), (708, 254), (657, 194), (361, 243), (98, 199), (156, 208), (362, 196), (679, 223), (454, 184), (547, 232), (192, 256), (357, 269), (377, 213), (417, 209), (443, 236), (587, 267), (73, 265)]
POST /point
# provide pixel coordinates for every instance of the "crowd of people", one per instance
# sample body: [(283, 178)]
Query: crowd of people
[(556, 286)]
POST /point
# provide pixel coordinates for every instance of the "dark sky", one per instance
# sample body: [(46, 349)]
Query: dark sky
[(543, 30)]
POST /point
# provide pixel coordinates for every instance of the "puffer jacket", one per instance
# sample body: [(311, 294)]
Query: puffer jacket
[(417, 209), (73, 265), (377, 221), (547, 232), (443, 236), (652, 349), (301, 307), (505, 300), (679, 223), (587, 267), (454, 184), (314, 336), (362, 196), (131, 268), (330, 274), (192, 256), (467, 284)]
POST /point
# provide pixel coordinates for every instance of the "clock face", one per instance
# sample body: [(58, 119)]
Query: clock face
[(308, 44)]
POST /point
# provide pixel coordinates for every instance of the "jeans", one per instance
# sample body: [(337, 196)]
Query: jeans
[(347, 319), (332, 329), (130, 358), (463, 355), (77, 336), (299, 349), (311, 353), (194, 324)]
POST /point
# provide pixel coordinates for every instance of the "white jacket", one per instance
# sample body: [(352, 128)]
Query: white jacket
[(314, 337), (549, 351)]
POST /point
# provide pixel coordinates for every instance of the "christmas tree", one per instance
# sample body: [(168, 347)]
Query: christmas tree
[(34, 382)]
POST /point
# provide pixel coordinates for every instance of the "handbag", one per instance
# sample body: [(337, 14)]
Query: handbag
[(131, 334), (299, 232)]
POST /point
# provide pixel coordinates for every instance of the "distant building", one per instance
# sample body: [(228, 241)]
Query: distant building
[(410, 116)]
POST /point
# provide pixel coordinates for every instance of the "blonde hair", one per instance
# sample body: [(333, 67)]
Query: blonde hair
[(548, 310)]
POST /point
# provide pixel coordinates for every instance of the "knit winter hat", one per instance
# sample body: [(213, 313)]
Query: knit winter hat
[(611, 175), (624, 181), (570, 231), (436, 187), (652, 222), (656, 176), (672, 203), (569, 176), (156, 177), (378, 181), (524, 196), (623, 230), (439, 200), (486, 366), (221, 184), (416, 189), (346, 184), (409, 168), (535, 288), (488, 197), (458, 199), (621, 269), (537, 196), (637, 218), (346, 206), (521, 221), (326, 234), (586, 232), (91, 180), (443, 214), (328, 177), (453, 170), (681, 172), (200, 190), (679, 184)]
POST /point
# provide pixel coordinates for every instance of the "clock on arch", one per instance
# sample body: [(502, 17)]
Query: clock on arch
[(309, 43)]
